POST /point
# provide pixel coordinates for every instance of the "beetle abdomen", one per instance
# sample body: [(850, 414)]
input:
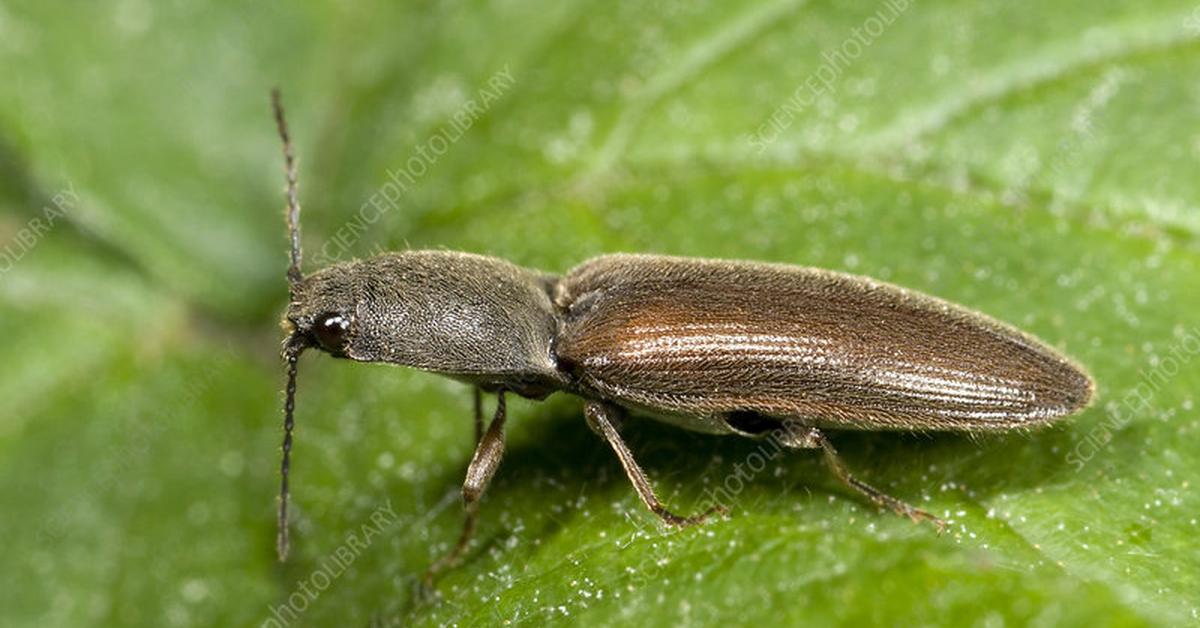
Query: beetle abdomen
[(709, 338)]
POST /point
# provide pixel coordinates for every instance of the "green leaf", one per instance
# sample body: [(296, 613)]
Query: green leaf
[(1036, 163)]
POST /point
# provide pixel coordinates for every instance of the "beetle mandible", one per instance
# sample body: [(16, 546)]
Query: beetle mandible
[(724, 347)]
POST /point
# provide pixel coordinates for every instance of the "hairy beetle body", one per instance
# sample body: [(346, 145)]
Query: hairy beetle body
[(711, 345), (715, 339)]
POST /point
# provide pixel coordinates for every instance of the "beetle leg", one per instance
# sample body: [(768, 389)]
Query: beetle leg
[(483, 466), (478, 414), (813, 438), (602, 419)]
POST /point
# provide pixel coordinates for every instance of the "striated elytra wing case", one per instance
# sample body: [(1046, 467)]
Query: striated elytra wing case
[(703, 339)]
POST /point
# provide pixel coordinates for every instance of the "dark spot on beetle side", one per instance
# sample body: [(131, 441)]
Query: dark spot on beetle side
[(750, 422), (568, 366)]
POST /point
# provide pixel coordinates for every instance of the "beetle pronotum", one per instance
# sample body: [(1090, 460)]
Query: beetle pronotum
[(724, 347)]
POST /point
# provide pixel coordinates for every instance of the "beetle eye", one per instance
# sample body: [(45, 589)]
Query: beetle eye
[(331, 331)]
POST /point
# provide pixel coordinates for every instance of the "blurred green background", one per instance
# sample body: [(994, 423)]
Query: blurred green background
[(1035, 161)]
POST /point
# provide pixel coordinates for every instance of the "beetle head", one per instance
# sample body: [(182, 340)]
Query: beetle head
[(322, 311)]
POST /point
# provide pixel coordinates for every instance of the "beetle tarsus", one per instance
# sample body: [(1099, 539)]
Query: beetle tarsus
[(428, 590), (678, 521), (812, 438)]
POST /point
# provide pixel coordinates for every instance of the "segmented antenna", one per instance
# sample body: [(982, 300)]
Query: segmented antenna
[(293, 202), (292, 355), (293, 346)]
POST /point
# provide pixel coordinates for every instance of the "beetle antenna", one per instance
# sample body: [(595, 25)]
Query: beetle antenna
[(291, 354), (293, 202)]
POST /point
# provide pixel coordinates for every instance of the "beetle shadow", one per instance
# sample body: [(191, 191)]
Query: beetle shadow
[(556, 469), (977, 466)]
